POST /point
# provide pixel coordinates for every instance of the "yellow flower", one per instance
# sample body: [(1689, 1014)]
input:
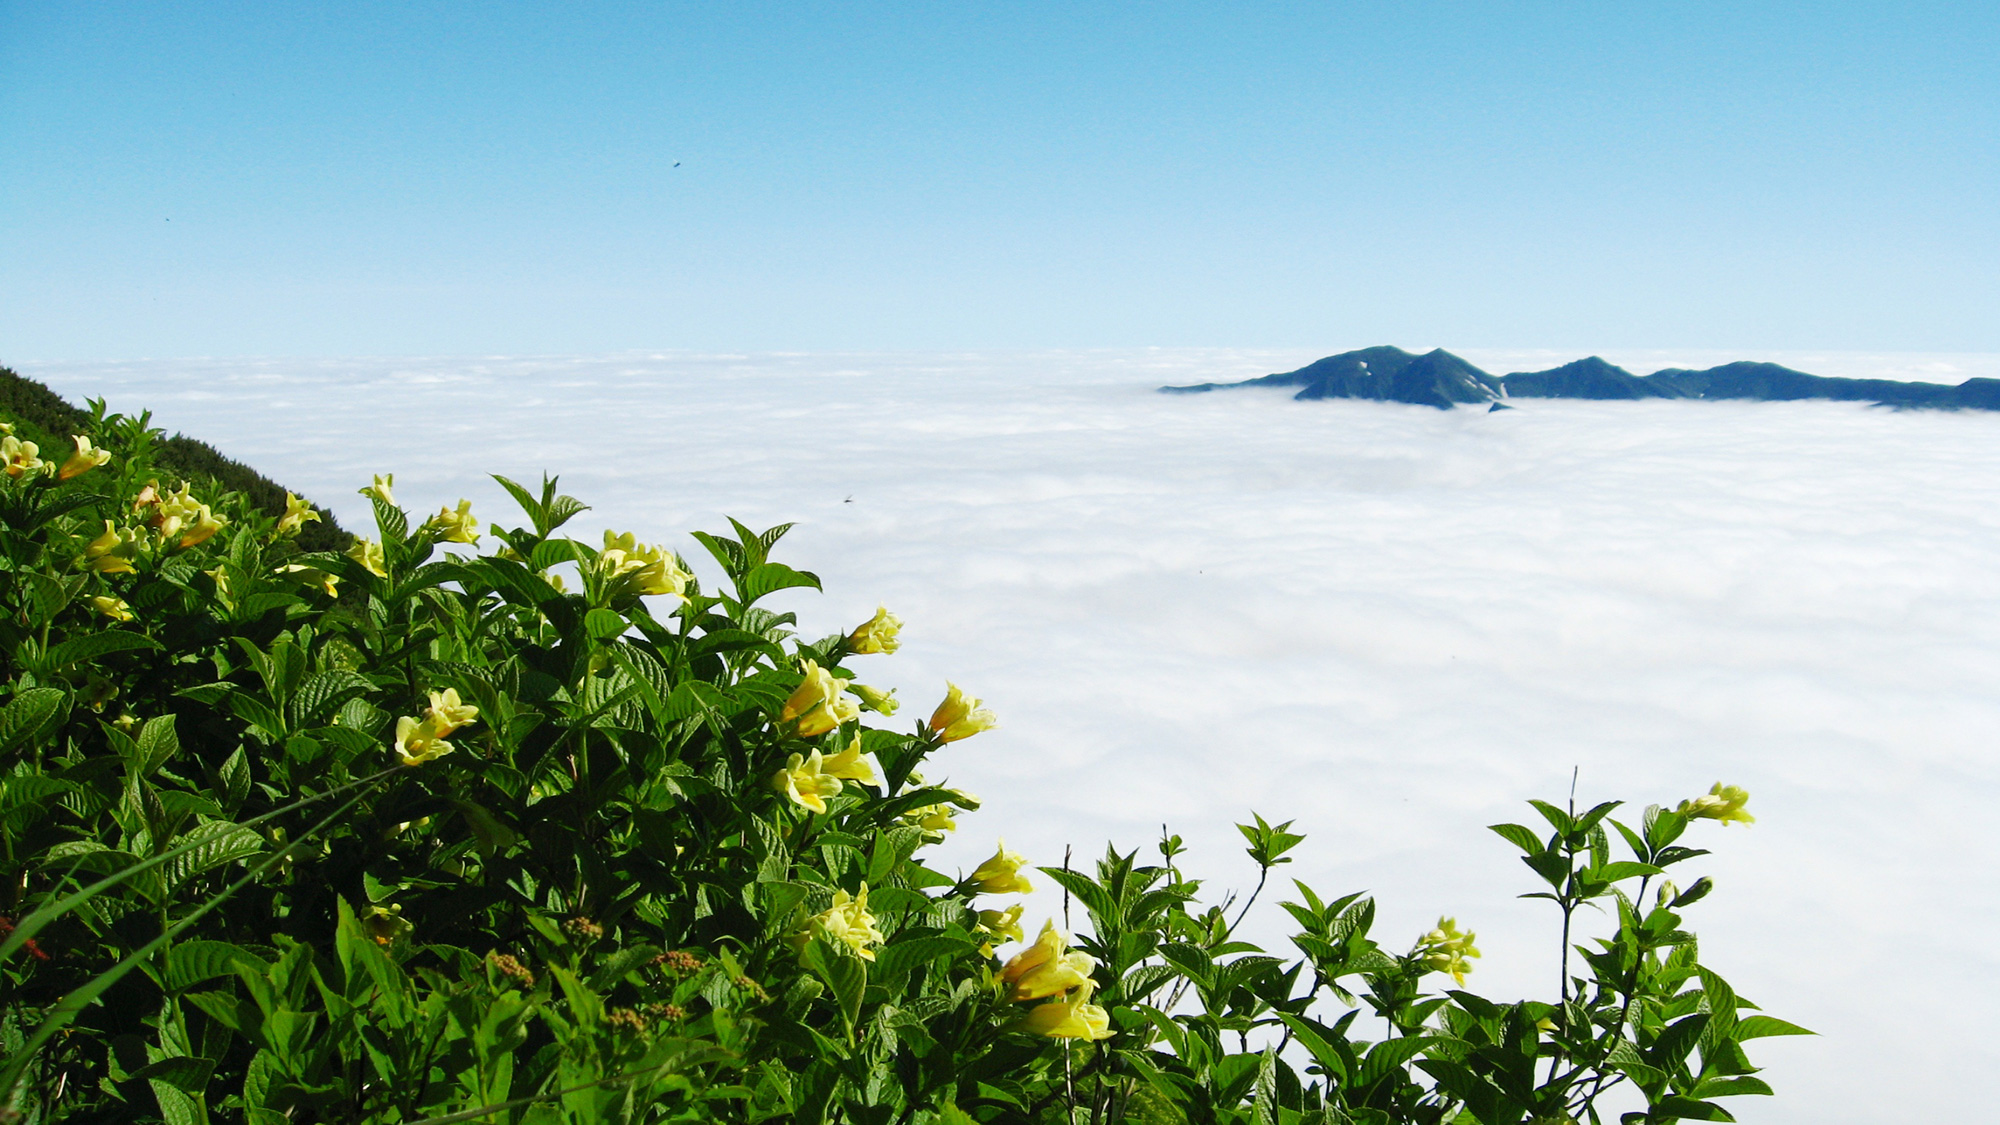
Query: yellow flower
[(805, 781), (203, 529), (882, 703), (959, 717), (6, 427), (1072, 1017), (999, 926), (850, 765), (1721, 802), (847, 920), (818, 703), (1051, 978), (298, 514), (877, 634), (1050, 945), (1001, 875), (447, 714), (327, 582), (419, 742), (380, 488), (384, 926), (222, 593), (114, 608), (20, 457), (1445, 949), (368, 553), (83, 460), (456, 527), (111, 552)]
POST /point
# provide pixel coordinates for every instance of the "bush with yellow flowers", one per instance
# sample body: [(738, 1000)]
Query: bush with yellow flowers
[(502, 825)]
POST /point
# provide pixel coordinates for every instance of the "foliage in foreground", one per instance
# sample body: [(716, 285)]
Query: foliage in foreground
[(550, 833)]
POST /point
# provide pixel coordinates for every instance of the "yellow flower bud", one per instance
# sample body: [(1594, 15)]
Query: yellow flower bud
[(368, 553), (880, 702), (1445, 949), (877, 634), (960, 717), (806, 782), (114, 608), (297, 515), (1001, 874), (325, 581), (83, 460), (379, 488), (1721, 802)]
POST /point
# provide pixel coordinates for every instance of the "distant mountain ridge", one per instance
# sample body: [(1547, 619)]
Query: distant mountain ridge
[(1443, 380)]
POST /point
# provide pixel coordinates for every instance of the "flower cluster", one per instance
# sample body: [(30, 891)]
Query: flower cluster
[(1446, 950), (422, 740), (455, 526), (1721, 802), (819, 703), (1049, 968), (846, 921), (179, 516), (809, 779), (631, 568)]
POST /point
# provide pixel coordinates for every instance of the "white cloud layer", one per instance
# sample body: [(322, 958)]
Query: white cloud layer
[(1390, 623)]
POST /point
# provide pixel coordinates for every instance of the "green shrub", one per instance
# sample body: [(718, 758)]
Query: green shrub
[(550, 833)]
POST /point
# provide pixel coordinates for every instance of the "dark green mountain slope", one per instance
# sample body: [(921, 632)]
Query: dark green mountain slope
[(45, 418)]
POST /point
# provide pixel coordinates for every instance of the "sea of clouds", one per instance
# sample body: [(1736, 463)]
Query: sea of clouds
[(1390, 624)]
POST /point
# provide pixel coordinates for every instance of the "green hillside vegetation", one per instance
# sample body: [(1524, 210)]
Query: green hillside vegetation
[(45, 418), (536, 832)]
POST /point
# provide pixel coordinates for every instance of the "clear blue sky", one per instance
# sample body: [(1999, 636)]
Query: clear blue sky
[(313, 179)]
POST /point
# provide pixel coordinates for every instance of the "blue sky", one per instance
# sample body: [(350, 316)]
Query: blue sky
[(182, 179)]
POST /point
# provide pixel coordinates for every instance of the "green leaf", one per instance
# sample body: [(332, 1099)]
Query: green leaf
[(26, 714), (1614, 872), (770, 577), (1756, 1027), (1730, 1086), (191, 962), (184, 1073), (1518, 836), (604, 624), (1673, 1105), (157, 743), (844, 973), (92, 646), (323, 693), (492, 835), (897, 960)]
